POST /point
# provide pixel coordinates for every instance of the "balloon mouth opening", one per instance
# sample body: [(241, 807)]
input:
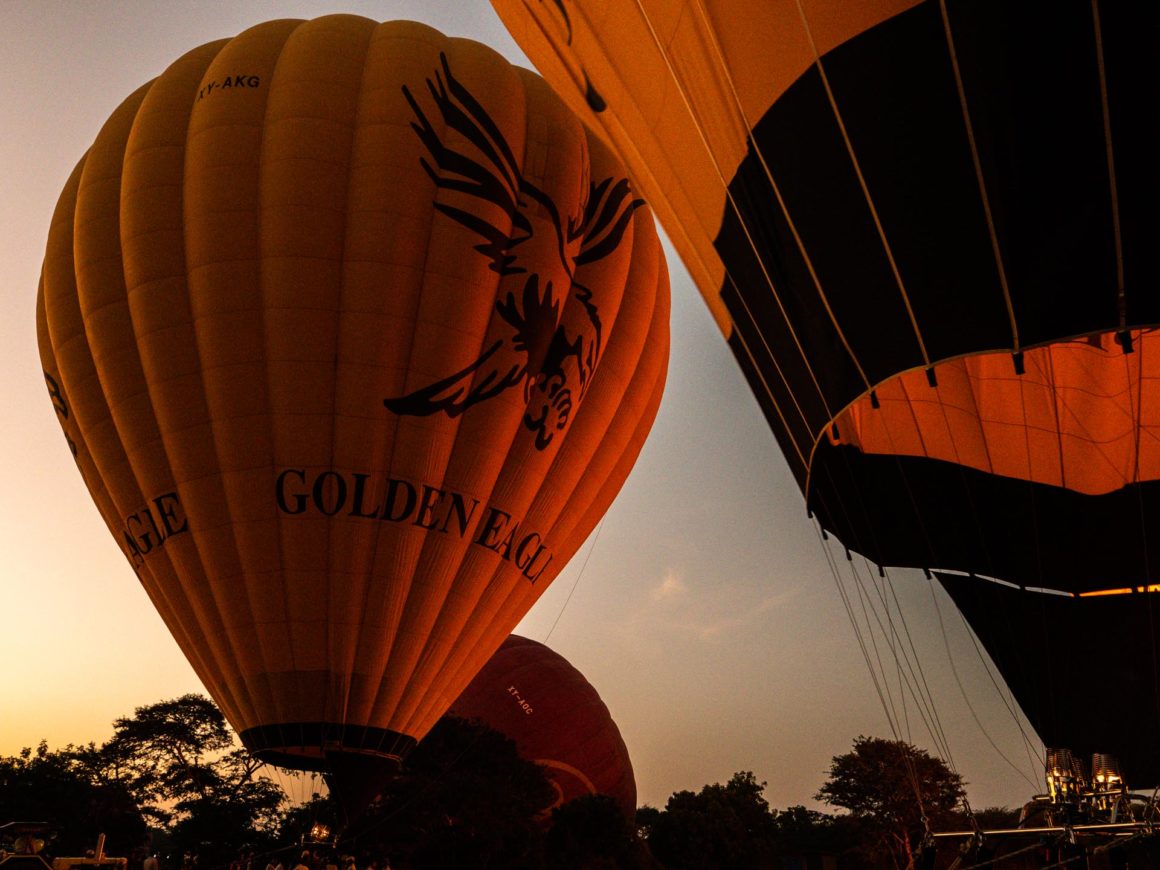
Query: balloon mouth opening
[(318, 746), (357, 761)]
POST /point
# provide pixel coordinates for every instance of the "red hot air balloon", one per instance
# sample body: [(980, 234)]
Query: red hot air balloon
[(354, 333), (534, 696)]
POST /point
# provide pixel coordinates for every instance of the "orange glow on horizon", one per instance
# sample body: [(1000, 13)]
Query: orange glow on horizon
[(1152, 587)]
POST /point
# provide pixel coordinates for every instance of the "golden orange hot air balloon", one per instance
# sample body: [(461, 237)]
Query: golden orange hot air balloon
[(354, 332)]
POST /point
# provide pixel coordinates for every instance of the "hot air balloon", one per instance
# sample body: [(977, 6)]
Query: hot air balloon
[(556, 718), (925, 230), (354, 333)]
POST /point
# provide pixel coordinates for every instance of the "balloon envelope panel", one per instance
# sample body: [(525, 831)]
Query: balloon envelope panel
[(354, 332)]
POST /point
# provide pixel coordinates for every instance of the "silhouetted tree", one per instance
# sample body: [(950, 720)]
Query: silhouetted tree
[(894, 790), (721, 826), (803, 832), (179, 759), (464, 799), (591, 833), (65, 788)]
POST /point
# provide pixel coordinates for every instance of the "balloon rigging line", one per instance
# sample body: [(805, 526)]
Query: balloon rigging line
[(926, 694), (924, 701), (576, 582), (887, 250), (887, 708), (934, 725), (922, 698), (1109, 151), (863, 596), (1027, 745), (759, 371), (757, 150), (976, 162), (754, 247), (861, 641), (940, 738), (625, 141)]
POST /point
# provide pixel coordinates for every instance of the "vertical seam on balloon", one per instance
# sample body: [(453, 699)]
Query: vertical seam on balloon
[(887, 250), (980, 180), (1145, 429), (906, 398), (681, 89), (1098, 446), (1136, 405), (420, 709), (977, 416), (406, 692), (219, 675), (519, 592), (642, 363), (424, 662), (1056, 398), (395, 609), (73, 297), (348, 665), (1030, 476), (278, 697), (124, 300), (1121, 298), (368, 573)]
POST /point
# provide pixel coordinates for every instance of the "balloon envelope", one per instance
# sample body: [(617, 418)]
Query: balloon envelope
[(926, 230), (556, 718), (354, 333)]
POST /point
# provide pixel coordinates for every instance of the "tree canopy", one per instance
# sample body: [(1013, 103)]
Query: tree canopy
[(172, 773), (896, 791)]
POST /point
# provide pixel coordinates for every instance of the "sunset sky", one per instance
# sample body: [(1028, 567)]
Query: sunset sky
[(704, 608)]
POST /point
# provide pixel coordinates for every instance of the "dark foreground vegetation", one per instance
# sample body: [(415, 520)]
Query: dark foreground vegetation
[(172, 781)]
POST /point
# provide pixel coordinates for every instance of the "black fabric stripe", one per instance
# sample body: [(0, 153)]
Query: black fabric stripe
[(916, 512), (310, 744), (1080, 668), (1031, 83)]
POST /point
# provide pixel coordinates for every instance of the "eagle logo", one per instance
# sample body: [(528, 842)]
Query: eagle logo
[(552, 358)]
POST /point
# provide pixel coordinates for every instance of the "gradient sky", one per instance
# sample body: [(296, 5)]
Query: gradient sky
[(704, 608)]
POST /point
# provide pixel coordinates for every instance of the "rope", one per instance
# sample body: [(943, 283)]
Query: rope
[(576, 582)]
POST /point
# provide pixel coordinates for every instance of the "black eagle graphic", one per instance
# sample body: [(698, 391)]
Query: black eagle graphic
[(552, 361)]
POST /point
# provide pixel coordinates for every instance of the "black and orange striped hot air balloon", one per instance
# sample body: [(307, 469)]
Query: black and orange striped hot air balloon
[(926, 229), (354, 333), (536, 697)]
